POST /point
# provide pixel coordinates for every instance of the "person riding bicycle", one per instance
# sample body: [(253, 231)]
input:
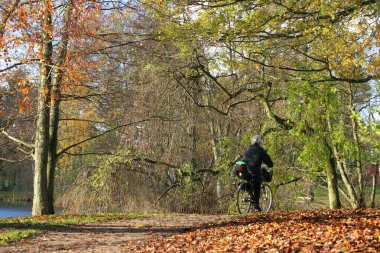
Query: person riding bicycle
[(254, 156)]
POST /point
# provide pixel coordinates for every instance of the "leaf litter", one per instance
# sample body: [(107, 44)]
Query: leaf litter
[(343, 230)]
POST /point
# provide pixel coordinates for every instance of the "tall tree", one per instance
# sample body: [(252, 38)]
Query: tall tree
[(43, 25), (276, 44)]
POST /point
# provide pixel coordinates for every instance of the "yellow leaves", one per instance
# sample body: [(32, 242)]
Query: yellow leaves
[(318, 30), (351, 63), (139, 225)]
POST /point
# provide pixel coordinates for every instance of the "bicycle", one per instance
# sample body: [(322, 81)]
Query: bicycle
[(245, 196)]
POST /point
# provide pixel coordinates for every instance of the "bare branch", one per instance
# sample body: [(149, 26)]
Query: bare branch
[(85, 120), (11, 67), (64, 150), (166, 191), (155, 162), (7, 160), (97, 136), (17, 140), (15, 65), (288, 182), (278, 67)]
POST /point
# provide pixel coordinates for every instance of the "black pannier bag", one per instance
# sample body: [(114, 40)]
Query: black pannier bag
[(241, 170), (267, 175)]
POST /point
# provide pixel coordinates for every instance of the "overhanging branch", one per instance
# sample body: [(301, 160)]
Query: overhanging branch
[(17, 140), (288, 182), (64, 150)]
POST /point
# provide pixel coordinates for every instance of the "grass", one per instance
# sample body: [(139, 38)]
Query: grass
[(16, 229), (14, 235), (322, 197)]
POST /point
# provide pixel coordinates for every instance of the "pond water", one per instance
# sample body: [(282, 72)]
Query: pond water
[(8, 210)]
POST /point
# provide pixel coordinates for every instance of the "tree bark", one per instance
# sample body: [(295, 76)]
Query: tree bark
[(374, 184), (216, 152), (40, 199), (342, 168), (53, 143), (332, 182), (358, 158), (54, 109)]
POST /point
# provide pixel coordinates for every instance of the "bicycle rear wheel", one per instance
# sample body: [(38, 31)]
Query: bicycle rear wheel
[(244, 197), (266, 198)]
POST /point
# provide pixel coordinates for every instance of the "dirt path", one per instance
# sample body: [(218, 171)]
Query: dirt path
[(111, 236)]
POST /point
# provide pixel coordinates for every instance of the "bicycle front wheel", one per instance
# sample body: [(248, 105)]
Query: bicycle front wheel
[(244, 197), (266, 198)]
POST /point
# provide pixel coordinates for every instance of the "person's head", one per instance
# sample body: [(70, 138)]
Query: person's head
[(256, 139)]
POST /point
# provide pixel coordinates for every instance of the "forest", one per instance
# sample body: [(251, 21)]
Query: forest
[(145, 105)]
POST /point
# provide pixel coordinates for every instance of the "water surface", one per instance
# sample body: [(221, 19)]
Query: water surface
[(15, 210)]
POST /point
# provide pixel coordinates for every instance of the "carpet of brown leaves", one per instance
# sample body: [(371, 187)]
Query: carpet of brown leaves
[(343, 230)]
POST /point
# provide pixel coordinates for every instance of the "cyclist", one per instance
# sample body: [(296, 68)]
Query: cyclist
[(254, 156)]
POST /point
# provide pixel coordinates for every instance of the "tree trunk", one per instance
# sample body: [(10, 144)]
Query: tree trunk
[(192, 133), (40, 158), (54, 109), (40, 199), (353, 199), (53, 143), (374, 184), (332, 184), (358, 158), (310, 192), (332, 180), (216, 152)]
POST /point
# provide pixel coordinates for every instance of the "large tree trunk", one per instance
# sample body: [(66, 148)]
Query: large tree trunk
[(332, 182), (54, 109), (41, 158), (53, 143), (40, 199)]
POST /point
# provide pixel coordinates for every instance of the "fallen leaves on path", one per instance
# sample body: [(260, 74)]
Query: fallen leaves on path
[(343, 230)]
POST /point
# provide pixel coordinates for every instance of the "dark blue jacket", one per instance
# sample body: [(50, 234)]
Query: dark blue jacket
[(254, 156)]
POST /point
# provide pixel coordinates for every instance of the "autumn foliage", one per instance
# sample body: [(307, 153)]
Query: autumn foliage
[(296, 231)]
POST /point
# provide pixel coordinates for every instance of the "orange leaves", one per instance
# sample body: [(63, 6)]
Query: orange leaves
[(24, 101), (21, 105), (24, 104), (25, 91), (2, 112), (297, 231)]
